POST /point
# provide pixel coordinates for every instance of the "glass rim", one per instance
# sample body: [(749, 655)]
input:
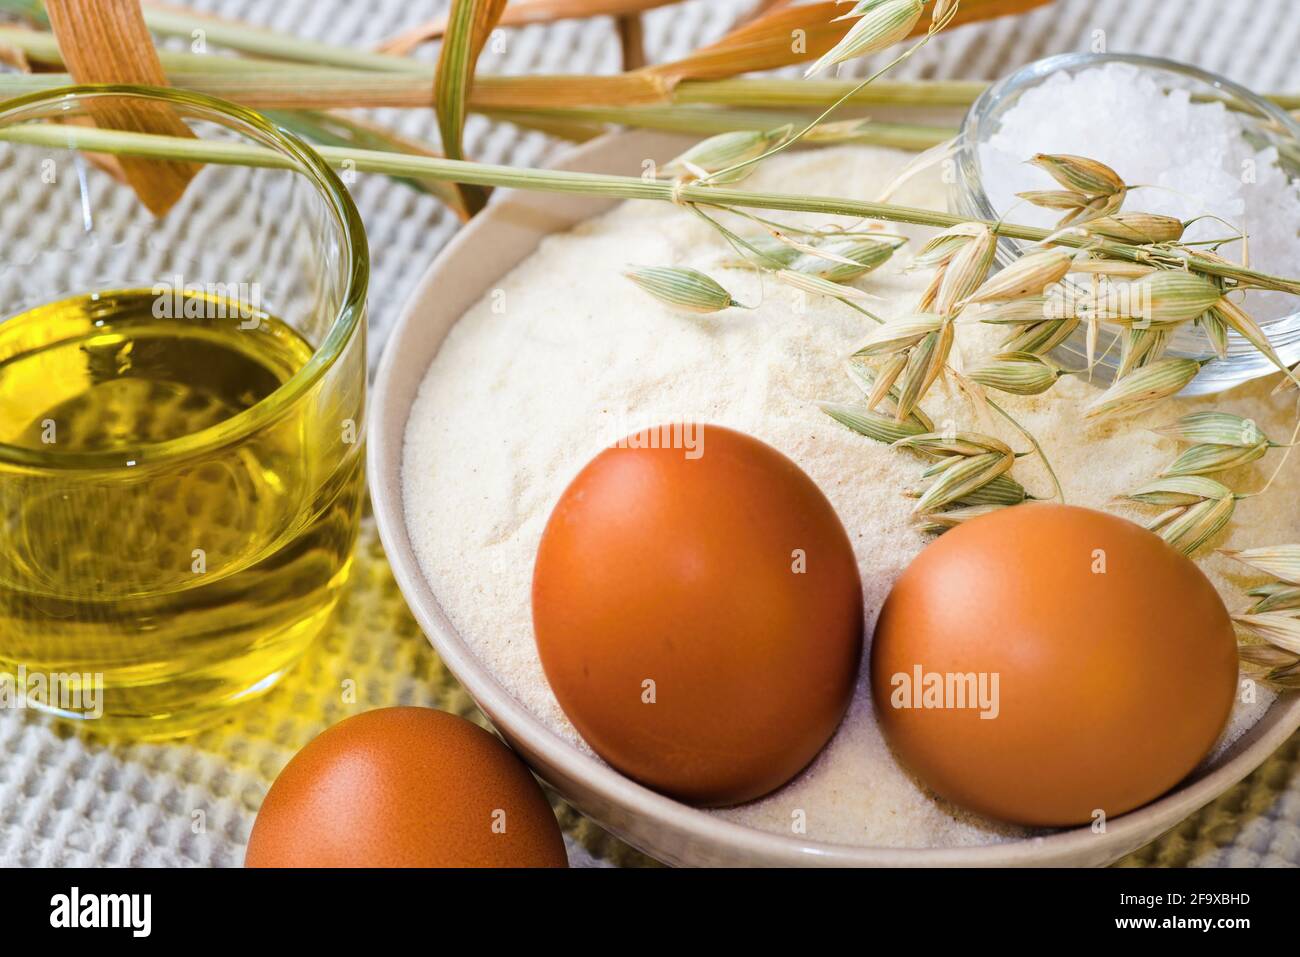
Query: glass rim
[(346, 322)]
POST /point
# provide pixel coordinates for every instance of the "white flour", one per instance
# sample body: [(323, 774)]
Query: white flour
[(521, 397)]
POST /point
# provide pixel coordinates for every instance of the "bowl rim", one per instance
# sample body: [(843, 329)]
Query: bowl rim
[(385, 444)]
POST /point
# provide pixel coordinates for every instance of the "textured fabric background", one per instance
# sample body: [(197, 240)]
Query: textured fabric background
[(67, 800)]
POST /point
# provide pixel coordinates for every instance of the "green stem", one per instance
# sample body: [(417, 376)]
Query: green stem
[(709, 121), (597, 184)]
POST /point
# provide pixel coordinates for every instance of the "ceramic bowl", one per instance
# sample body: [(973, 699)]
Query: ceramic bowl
[(479, 256)]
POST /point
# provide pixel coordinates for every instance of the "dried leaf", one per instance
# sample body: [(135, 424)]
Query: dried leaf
[(470, 23), (844, 260), (1018, 312), (1112, 267), (1241, 322), (775, 250), (1216, 330), (941, 247), (1138, 347), (521, 13), (106, 41), (888, 376), (950, 518), (1168, 296), (820, 287), (797, 34), (1042, 337), (869, 379), (1267, 656), (1003, 490), (1063, 199), (725, 150), (924, 363)]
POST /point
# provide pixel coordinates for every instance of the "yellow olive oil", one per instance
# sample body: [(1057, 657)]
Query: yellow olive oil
[(167, 527)]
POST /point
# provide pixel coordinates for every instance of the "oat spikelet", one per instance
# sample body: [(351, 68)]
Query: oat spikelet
[(881, 428), (1216, 428), (899, 334), (1198, 524), (1160, 380), (1137, 229), (1080, 174), (1030, 275), (1182, 490), (1280, 561), (1208, 459), (1017, 373), (967, 269), (682, 288), (725, 150), (882, 23), (1278, 629), (964, 477)]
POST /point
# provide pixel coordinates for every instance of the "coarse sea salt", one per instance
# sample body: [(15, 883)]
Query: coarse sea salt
[(1192, 158)]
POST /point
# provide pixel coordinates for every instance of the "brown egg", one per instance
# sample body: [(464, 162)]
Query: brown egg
[(405, 787), (699, 614), (1103, 658)]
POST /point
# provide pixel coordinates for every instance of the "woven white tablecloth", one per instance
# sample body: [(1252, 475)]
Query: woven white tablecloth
[(67, 800)]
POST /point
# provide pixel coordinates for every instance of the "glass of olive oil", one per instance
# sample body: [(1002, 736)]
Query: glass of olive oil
[(182, 400)]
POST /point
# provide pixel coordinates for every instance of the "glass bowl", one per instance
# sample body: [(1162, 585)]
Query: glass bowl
[(1264, 123)]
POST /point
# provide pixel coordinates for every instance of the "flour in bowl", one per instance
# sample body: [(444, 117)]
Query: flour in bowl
[(566, 355)]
